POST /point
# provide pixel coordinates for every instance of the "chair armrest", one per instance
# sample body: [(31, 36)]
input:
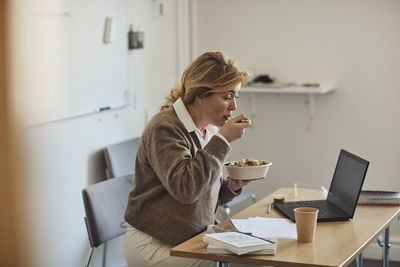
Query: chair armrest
[(245, 195)]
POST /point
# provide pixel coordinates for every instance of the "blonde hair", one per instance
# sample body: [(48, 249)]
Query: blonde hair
[(209, 73)]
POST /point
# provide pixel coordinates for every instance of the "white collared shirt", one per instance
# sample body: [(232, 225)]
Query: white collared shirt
[(186, 119)]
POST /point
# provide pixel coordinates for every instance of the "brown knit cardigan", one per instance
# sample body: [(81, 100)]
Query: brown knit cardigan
[(171, 196)]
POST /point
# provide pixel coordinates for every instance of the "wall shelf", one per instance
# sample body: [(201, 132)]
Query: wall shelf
[(291, 89)]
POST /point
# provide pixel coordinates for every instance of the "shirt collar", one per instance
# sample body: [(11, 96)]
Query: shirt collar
[(184, 116), (186, 119)]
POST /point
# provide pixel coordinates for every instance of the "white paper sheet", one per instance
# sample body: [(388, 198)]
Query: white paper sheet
[(267, 227)]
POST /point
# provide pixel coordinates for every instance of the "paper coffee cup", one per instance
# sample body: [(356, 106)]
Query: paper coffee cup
[(306, 223)]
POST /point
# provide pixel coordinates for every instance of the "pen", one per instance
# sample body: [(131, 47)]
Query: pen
[(269, 208), (250, 234), (103, 109)]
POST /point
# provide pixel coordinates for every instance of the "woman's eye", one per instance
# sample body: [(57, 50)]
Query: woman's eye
[(229, 97)]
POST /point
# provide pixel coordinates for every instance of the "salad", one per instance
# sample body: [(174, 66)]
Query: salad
[(246, 163)]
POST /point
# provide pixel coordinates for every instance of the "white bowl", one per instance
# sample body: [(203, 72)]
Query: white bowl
[(247, 172)]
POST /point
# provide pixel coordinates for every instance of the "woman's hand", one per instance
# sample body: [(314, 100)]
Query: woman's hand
[(235, 185), (235, 128)]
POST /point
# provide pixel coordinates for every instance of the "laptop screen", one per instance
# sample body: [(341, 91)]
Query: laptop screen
[(347, 181)]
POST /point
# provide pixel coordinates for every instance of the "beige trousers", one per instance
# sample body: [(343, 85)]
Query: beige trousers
[(142, 250)]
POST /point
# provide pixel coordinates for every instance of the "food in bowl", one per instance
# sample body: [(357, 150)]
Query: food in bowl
[(246, 162), (247, 169)]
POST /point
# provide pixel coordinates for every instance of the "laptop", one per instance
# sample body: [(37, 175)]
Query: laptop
[(343, 194)]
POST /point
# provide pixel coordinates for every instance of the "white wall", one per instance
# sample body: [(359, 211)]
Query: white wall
[(64, 157), (352, 44)]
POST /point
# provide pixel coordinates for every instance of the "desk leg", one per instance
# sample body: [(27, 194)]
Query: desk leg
[(223, 264), (385, 248), (359, 260)]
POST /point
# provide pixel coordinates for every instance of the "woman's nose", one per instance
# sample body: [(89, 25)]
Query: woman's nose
[(233, 105)]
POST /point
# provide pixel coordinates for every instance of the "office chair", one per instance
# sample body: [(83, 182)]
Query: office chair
[(120, 158), (105, 205)]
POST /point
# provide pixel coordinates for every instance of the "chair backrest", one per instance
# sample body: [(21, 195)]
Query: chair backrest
[(120, 158), (105, 204)]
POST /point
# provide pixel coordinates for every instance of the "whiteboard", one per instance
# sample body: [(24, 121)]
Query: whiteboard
[(74, 71)]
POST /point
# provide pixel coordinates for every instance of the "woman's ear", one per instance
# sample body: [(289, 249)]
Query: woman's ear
[(199, 99)]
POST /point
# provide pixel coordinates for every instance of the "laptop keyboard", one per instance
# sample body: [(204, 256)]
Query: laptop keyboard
[(324, 207)]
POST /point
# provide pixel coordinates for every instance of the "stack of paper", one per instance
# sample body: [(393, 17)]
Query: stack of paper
[(211, 248), (377, 197), (267, 227), (238, 243)]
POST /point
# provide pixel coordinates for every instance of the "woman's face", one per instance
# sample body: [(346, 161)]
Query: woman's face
[(218, 107)]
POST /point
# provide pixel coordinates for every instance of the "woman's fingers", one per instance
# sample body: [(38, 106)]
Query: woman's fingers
[(235, 128), (236, 184)]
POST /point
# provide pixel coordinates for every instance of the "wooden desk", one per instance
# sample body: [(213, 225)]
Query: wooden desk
[(336, 243)]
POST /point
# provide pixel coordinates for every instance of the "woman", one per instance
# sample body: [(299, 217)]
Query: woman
[(178, 182)]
